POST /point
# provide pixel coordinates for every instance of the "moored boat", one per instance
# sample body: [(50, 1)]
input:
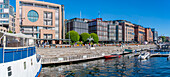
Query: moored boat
[(168, 58), (144, 55), (129, 50), (112, 56), (18, 56)]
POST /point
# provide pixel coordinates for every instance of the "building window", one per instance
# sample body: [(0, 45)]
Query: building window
[(33, 16), (26, 4), (24, 65), (47, 36), (41, 6), (1, 10), (31, 62), (6, 1), (48, 18), (5, 15), (52, 7), (6, 6), (9, 71), (1, 5)]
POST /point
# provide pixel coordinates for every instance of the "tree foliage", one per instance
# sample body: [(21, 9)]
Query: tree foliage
[(84, 36), (74, 36), (167, 40), (10, 31), (163, 38), (95, 37)]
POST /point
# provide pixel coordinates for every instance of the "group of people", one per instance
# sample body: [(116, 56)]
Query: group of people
[(39, 44)]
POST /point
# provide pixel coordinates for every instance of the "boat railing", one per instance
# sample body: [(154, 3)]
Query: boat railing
[(14, 54), (19, 47), (16, 47)]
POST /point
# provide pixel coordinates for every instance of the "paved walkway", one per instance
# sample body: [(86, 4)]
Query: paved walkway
[(53, 55)]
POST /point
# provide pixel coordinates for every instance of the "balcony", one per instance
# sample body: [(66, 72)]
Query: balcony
[(30, 31)]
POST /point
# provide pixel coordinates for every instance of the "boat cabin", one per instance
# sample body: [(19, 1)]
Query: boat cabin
[(15, 46)]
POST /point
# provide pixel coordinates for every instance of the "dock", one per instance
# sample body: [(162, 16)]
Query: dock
[(159, 55), (65, 55)]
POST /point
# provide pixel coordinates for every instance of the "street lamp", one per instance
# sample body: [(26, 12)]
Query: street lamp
[(21, 22), (90, 39), (69, 31)]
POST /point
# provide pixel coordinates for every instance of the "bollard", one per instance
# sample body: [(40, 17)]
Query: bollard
[(55, 46), (60, 46)]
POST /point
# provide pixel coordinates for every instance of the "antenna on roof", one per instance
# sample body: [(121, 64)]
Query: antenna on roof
[(139, 21), (99, 14), (80, 14)]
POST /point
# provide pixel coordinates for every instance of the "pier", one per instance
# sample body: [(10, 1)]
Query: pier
[(64, 55)]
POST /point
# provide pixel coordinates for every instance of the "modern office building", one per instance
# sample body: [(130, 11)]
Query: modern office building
[(155, 35), (127, 30), (139, 34), (114, 31), (77, 24), (167, 39), (42, 20), (111, 31), (99, 27), (6, 16), (148, 35), (119, 30)]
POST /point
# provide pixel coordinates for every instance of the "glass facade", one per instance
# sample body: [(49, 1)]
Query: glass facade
[(47, 36), (6, 1), (48, 18), (150, 34), (5, 15), (57, 23), (33, 16), (1, 11), (6, 6), (1, 5)]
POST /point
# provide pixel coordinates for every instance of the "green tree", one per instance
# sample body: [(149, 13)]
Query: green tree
[(10, 31), (74, 36), (163, 38), (84, 36), (95, 37), (167, 40)]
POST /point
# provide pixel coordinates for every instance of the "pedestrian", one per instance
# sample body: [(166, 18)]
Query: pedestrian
[(38, 43)]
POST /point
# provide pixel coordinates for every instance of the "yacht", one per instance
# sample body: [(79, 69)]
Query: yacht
[(18, 56), (144, 55)]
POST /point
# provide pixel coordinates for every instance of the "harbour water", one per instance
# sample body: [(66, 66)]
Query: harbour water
[(117, 67)]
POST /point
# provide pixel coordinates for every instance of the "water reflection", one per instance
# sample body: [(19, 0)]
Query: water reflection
[(119, 67)]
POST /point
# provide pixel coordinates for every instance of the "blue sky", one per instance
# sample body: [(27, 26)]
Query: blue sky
[(148, 13)]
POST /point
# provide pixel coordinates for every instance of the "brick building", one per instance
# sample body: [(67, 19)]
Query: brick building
[(139, 34), (148, 35)]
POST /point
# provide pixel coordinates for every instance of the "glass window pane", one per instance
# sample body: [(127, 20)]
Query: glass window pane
[(33, 16)]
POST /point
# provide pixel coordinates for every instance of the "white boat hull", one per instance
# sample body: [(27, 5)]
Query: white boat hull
[(146, 56), (27, 67)]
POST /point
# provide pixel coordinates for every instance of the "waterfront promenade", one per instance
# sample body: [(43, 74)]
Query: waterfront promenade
[(62, 55)]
